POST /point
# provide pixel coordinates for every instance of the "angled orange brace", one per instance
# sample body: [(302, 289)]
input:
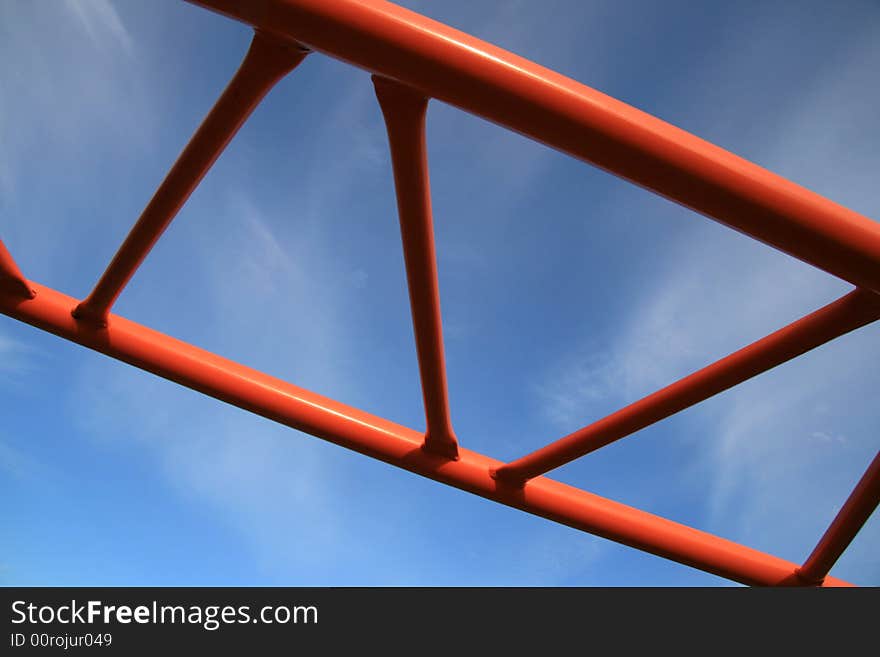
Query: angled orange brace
[(268, 60), (414, 59)]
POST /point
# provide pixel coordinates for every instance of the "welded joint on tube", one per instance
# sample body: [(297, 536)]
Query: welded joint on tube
[(18, 287), (282, 40), (396, 96), (807, 579), (445, 448), (86, 314), (508, 478), (11, 278)]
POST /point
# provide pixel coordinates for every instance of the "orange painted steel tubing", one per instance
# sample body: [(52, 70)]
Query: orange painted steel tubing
[(852, 516), (404, 112), (267, 61), (511, 91), (848, 313), (416, 58), (365, 433), (10, 275)]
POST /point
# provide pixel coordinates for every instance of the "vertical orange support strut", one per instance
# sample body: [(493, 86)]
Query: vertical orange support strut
[(268, 59), (855, 513), (404, 110), (10, 275)]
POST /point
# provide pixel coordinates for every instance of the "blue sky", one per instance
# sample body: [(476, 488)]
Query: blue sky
[(566, 294)]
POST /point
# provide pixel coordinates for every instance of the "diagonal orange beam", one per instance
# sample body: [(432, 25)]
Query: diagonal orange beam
[(846, 314), (382, 439), (404, 111), (520, 95), (268, 59), (852, 516)]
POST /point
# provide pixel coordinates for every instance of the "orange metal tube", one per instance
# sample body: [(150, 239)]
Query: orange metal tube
[(849, 520), (10, 276), (418, 58), (848, 313), (404, 111), (267, 61), (397, 445), (485, 80)]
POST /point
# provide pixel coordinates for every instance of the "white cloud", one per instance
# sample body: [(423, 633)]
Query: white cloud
[(71, 92), (827, 437), (101, 21)]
